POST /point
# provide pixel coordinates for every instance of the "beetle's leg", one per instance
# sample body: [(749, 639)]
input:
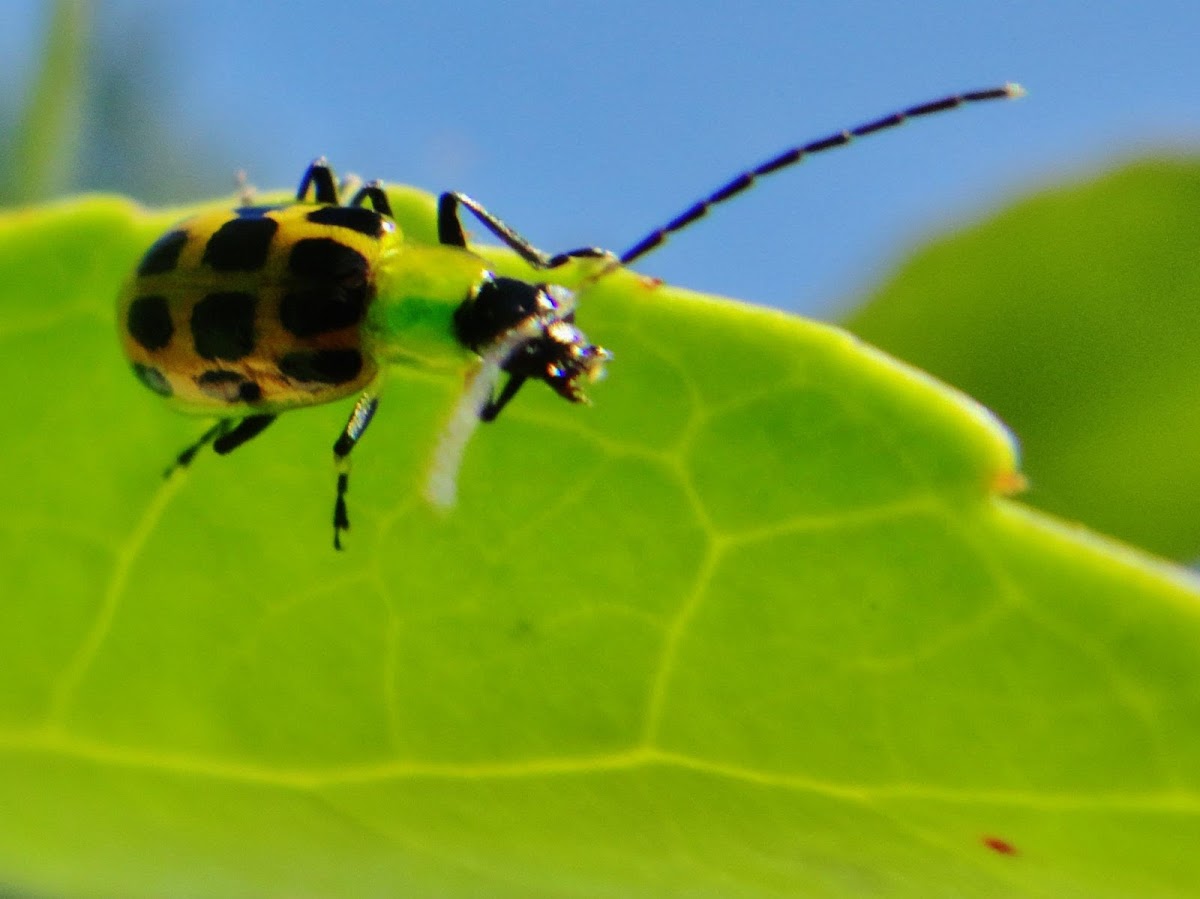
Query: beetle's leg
[(318, 176), (450, 232), (360, 417), (374, 192), (246, 429), (494, 406), (184, 459), (225, 436)]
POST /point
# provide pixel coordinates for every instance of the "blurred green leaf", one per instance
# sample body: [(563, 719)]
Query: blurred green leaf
[(47, 134), (756, 624), (1075, 316)]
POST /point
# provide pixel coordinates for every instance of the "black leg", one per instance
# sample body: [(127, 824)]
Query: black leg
[(450, 232), (374, 192), (450, 229), (184, 459), (495, 406), (360, 417), (319, 176), (248, 428), (225, 437)]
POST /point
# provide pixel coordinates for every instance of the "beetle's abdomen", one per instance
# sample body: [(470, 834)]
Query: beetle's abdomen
[(256, 309)]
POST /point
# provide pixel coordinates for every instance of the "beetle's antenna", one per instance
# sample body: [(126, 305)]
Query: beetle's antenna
[(796, 154)]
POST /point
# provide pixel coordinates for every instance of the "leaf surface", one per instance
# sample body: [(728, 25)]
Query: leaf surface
[(1075, 316), (758, 623)]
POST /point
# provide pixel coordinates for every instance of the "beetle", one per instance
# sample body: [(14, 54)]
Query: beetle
[(246, 313)]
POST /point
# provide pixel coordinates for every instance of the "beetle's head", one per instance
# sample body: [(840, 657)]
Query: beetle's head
[(562, 357), (541, 319)]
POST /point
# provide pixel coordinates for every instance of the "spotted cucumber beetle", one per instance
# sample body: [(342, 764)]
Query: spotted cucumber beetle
[(247, 313)]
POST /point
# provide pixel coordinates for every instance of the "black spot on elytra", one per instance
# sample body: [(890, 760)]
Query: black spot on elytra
[(240, 245), (318, 310), (152, 378), (322, 366), (164, 255), (229, 386), (223, 325), (356, 218), (149, 322), (326, 260)]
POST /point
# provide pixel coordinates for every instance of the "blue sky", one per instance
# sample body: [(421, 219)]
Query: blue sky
[(590, 123)]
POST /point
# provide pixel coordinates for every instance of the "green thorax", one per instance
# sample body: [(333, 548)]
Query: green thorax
[(418, 288)]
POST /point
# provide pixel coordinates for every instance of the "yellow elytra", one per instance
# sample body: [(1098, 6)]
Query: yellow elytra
[(257, 311)]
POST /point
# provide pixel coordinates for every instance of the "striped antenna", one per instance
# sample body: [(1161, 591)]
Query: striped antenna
[(796, 154)]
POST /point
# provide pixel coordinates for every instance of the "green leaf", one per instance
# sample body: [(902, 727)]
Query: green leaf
[(47, 134), (1075, 315), (756, 624)]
